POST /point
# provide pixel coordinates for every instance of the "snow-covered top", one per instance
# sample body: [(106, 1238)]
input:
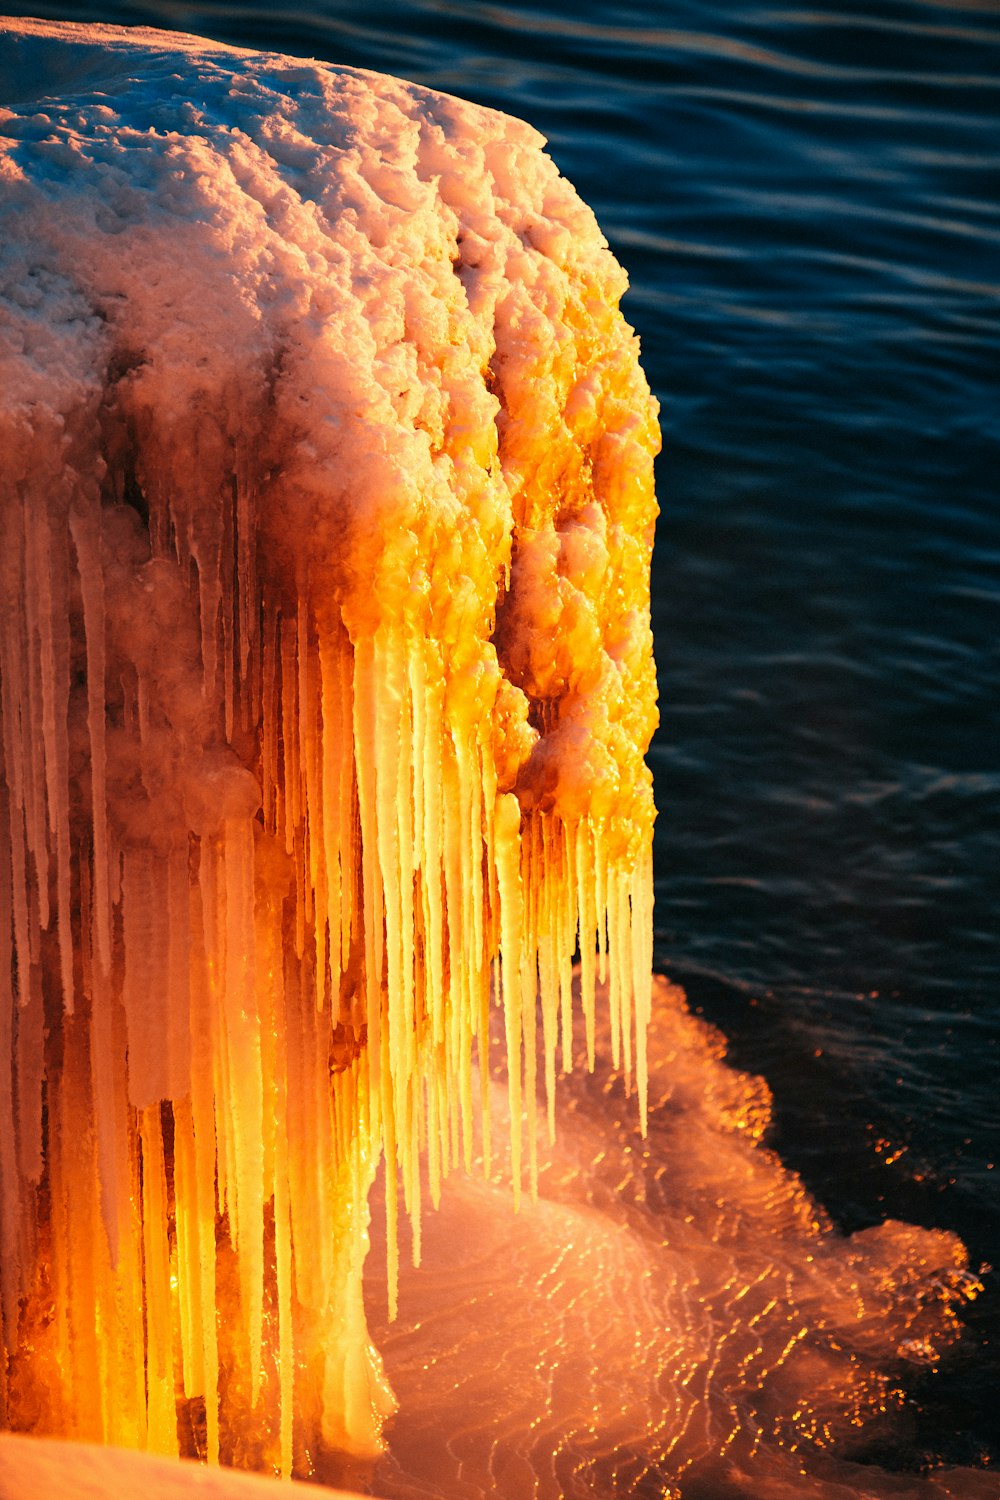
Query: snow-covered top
[(384, 310), (99, 54)]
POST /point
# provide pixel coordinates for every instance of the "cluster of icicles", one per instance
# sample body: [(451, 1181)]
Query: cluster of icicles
[(325, 519)]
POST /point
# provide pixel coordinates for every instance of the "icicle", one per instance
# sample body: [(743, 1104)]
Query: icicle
[(30, 1056), (587, 908), (335, 742), (566, 920), (386, 745), (246, 588), (391, 1193), (291, 781), (111, 1147), (77, 1261), (430, 773), (190, 1311), (208, 614), (507, 825), (642, 969), (270, 720), (457, 906), (143, 934), (615, 997), (283, 1252), (242, 1033), (307, 730), (543, 883), (24, 911), (162, 1415), (471, 961), (365, 732), (86, 540), (348, 807), (10, 1185), (154, 991), (228, 605), (176, 978), (404, 840), (31, 706), (52, 567), (199, 1186)]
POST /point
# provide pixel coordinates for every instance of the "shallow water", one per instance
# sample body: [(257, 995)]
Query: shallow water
[(806, 200)]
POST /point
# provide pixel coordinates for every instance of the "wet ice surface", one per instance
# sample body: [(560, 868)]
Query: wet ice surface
[(671, 1317)]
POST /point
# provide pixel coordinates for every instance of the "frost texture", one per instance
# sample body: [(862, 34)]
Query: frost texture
[(325, 521)]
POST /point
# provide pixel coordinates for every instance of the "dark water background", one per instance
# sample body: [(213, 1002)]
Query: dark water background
[(807, 198)]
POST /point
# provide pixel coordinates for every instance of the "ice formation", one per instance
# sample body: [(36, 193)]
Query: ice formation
[(325, 679), (325, 520)]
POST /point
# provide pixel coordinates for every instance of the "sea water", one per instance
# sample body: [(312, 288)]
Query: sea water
[(806, 200)]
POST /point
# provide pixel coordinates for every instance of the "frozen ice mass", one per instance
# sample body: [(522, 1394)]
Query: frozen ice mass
[(326, 677)]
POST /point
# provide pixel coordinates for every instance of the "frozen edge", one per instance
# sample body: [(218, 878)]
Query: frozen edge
[(48, 1469)]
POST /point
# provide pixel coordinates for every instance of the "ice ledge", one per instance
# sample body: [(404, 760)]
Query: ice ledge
[(47, 1469)]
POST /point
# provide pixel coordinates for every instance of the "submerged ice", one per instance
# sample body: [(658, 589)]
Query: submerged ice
[(326, 512)]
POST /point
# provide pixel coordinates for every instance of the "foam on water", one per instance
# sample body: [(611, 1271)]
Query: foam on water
[(675, 1316)]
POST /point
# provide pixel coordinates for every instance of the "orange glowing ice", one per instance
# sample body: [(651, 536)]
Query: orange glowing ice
[(325, 520)]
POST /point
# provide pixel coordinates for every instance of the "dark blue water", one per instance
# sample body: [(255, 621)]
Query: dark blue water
[(808, 202)]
